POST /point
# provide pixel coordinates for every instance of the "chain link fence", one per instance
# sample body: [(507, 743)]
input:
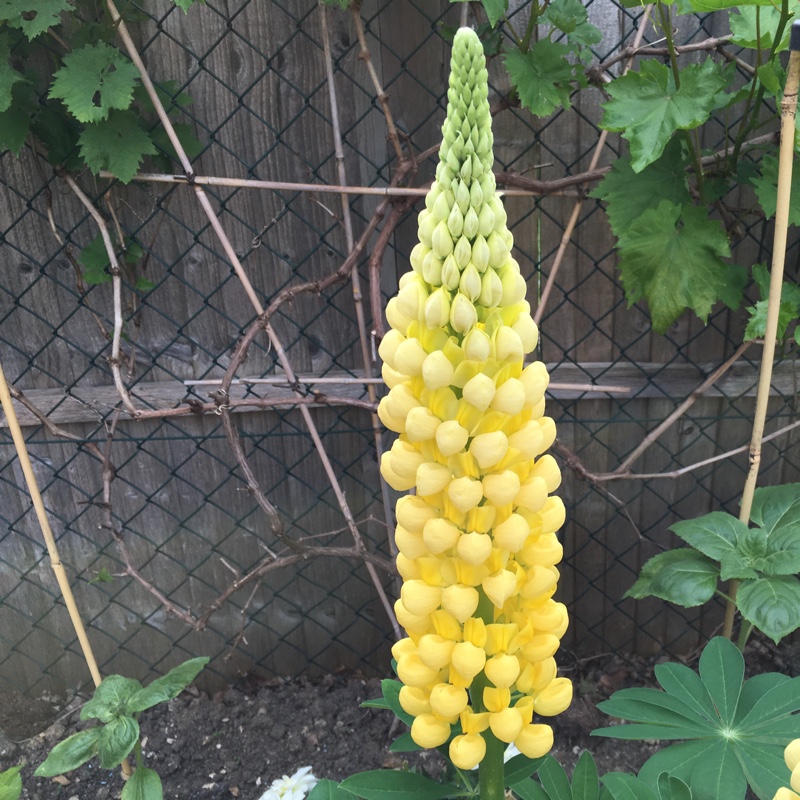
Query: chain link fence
[(260, 106)]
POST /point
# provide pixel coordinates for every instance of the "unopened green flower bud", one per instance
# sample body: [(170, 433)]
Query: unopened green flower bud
[(441, 208), (480, 253), (462, 252), (498, 250), (477, 345), (451, 274), (471, 224), (462, 196), (426, 226), (463, 316), (485, 221), (491, 290), (455, 222), (500, 216), (418, 256), (432, 269), (441, 240), (470, 283), (466, 170), (437, 308)]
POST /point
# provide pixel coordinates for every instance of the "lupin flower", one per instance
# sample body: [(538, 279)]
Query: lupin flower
[(791, 755), (477, 542)]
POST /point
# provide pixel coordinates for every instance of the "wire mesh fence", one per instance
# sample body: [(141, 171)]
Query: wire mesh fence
[(189, 524)]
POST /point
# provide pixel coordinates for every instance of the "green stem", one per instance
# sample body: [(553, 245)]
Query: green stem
[(138, 751), (532, 23), (744, 634)]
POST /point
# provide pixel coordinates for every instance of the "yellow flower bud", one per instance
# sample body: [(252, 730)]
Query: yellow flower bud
[(392, 422), (391, 377), (451, 437), (551, 617), (528, 439), (547, 469), (534, 741), (463, 316), (554, 698), (506, 725), (468, 659), (541, 647), (496, 700), (795, 779), (465, 493), (553, 515), (434, 651), (447, 700), (489, 449), (535, 380), (791, 755), (545, 550), (413, 512), (509, 397), (411, 298), (437, 371), (500, 636), (532, 494), (499, 587), (514, 286), (436, 311), (421, 424), (431, 269), (409, 357), (400, 401), (407, 568), (419, 597), (411, 545), (475, 632), (477, 345), (412, 672), (474, 548), (404, 459), (460, 601), (527, 331), (397, 482), (548, 428), (389, 345), (467, 751), (491, 289), (415, 700), (502, 488), (395, 317), (445, 624), (472, 723), (479, 391), (512, 533), (502, 670), (540, 581), (481, 519), (786, 794), (440, 535), (508, 345), (432, 478), (428, 731)]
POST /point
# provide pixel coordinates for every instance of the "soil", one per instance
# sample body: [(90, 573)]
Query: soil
[(234, 744)]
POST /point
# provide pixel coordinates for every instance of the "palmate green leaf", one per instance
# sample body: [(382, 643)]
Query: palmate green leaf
[(554, 780), (585, 782), (755, 27), (777, 702), (681, 576), (671, 788), (766, 187), (32, 17), (118, 145), (530, 790), (647, 106), (389, 784), (672, 257), (110, 698), (572, 18), (686, 685), (93, 80), (715, 534), (10, 784), (722, 671), (771, 604), (639, 731), (117, 738), (627, 787), (167, 686), (757, 324), (754, 688), (678, 760), (764, 767), (327, 789), (629, 194), (144, 784), (719, 5), (15, 121), (519, 768), (8, 75), (542, 76), (718, 775), (69, 754), (651, 705)]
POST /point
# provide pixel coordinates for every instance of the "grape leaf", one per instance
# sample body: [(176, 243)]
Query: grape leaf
[(766, 186), (187, 4), (14, 127), (789, 309), (93, 80), (648, 107), (572, 18), (542, 76), (629, 194), (705, 6), (118, 145), (32, 17), (495, 10), (8, 75), (672, 256), (755, 28)]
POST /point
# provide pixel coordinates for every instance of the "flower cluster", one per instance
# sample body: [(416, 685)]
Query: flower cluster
[(477, 541), (792, 758), (291, 787)]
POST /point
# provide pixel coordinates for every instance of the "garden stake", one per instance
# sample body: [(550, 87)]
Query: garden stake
[(785, 163), (49, 539)]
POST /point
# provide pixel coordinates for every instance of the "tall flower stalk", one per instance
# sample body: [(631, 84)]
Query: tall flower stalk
[(477, 540)]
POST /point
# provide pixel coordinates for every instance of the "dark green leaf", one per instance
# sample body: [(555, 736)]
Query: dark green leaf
[(167, 686), (404, 744), (528, 789), (391, 694), (542, 76), (520, 767), (376, 702), (10, 784), (94, 260), (59, 138), (755, 28), (144, 784), (187, 4), (32, 17), (656, 731), (109, 698), (780, 700), (766, 186), (686, 685), (389, 784), (554, 780), (571, 17), (116, 740), (14, 127), (753, 690), (627, 787), (327, 789), (722, 671), (777, 508), (736, 565), (93, 80), (495, 10), (681, 576), (713, 534), (8, 75), (670, 788), (771, 604), (103, 576), (718, 775), (191, 144), (585, 783), (69, 754), (672, 257), (647, 107), (763, 767), (651, 705), (677, 759), (719, 5), (118, 145)]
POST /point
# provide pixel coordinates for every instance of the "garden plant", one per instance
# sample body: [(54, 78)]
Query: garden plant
[(477, 529)]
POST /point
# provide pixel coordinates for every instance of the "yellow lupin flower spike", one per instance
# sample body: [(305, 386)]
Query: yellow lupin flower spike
[(477, 541), (791, 756)]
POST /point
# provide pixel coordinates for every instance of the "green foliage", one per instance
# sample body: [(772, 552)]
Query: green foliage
[(187, 4), (32, 17), (144, 784), (389, 784), (788, 312), (765, 558), (10, 784), (118, 145), (622, 786), (572, 18), (542, 76), (734, 730), (166, 687), (495, 10), (755, 27), (648, 106), (766, 186), (327, 789), (70, 754)]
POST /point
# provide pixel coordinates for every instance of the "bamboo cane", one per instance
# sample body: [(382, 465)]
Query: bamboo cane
[(785, 164), (49, 539)]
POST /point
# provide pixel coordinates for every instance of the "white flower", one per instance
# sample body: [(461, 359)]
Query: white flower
[(294, 787)]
